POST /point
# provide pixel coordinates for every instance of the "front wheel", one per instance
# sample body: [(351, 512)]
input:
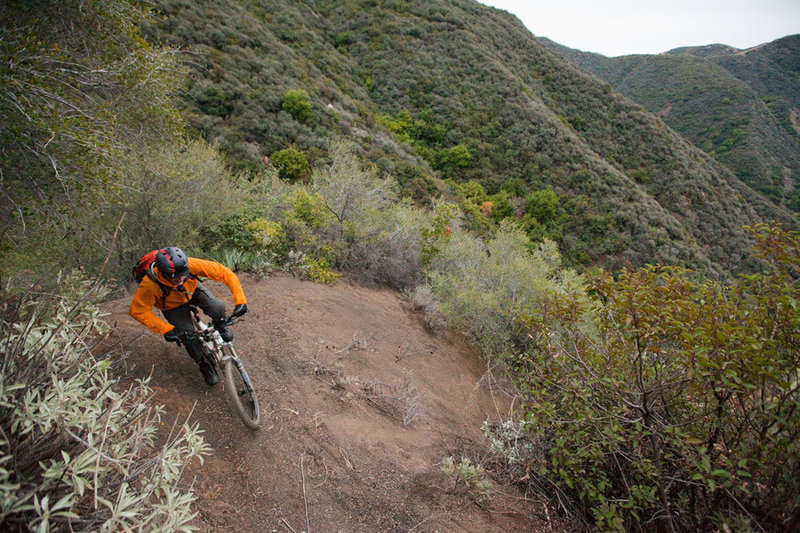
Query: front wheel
[(240, 392)]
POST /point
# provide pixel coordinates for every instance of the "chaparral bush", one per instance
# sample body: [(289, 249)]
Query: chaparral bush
[(78, 449), (485, 288), (348, 218), (297, 103), (666, 403)]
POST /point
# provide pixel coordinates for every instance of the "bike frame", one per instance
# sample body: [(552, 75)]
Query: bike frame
[(212, 340), (214, 343), (223, 352)]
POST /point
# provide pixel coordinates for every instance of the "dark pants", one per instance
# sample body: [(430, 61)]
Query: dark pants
[(180, 318)]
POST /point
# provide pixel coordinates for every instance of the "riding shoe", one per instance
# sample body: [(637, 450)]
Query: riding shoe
[(209, 374)]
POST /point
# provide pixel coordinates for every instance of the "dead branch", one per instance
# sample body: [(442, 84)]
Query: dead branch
[(305, 499)]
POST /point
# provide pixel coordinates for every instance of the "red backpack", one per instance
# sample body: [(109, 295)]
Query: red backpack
[(142, 266)]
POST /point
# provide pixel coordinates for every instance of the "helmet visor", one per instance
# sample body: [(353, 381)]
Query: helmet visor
[(179, 276)]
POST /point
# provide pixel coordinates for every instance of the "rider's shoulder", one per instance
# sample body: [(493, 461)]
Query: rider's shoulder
[(147, 284), (203, 263)]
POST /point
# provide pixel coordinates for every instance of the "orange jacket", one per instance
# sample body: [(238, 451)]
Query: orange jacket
[(149, 294)]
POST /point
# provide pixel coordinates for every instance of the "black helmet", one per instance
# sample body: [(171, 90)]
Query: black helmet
[(172, 263)]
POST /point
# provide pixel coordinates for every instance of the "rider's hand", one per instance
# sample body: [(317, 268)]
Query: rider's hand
[(173, 336), (239, 310)]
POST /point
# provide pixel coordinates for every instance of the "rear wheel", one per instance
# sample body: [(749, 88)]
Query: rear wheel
[(240, 391)]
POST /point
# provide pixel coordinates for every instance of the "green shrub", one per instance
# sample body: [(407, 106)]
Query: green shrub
[(320, 271), (349, 186), (79, 449), (269, 236), (258, 246), (177, 191), (310, 210), (484, 288), (445, 217), (257, 262), (292, 164), (545, 218), (343, 39), (374, 235), (471, 477), (401, 125), (543, 205), (501, 207), (349, 216), (297, 103), (449, 160), (387, 246), (232, 258), (229, 231), (668, 401), (308, 268), (306, 221), (472, 191)]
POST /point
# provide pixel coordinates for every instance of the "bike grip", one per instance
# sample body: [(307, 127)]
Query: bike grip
[(173, 336)]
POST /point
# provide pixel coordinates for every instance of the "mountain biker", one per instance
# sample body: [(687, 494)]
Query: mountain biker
[(171, 285)]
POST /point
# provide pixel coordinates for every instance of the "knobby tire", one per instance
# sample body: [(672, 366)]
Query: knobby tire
[(242, 395)]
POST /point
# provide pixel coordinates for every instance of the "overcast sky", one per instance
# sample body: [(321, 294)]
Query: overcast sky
[(618, 27)]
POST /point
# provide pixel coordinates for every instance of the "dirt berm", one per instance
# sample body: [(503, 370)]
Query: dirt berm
[(360, 405)]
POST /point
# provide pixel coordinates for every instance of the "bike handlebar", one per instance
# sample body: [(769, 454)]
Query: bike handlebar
[(230, 320), (226, 321)]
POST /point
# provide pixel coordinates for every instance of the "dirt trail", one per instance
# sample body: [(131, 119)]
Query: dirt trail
[(337, 370)]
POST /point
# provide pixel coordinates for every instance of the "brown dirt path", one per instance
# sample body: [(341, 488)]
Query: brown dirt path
[(336, 370)]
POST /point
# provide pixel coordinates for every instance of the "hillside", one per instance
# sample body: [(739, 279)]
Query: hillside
[(454, 159), (739, 106), (336, 369), (462, 91)]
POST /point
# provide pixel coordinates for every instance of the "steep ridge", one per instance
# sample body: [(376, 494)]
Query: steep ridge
[(336, 368), (734, 104), (633, 190)]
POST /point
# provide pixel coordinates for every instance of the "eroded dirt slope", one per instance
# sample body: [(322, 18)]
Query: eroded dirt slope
[(360, 405)]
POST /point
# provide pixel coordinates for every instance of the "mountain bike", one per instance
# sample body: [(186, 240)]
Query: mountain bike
[(222, 356)]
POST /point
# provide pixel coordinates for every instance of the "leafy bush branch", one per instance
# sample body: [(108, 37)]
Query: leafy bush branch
[(468, 477), (77, 450), (663, 400)]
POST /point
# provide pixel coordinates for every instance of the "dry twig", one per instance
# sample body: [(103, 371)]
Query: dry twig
[(305, 499), (420, 523), (285, 523)]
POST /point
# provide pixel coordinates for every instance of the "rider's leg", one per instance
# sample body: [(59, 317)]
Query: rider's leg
[(180, 318), (213, 307)]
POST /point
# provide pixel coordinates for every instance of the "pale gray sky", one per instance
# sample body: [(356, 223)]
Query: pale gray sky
[(618, 27)]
